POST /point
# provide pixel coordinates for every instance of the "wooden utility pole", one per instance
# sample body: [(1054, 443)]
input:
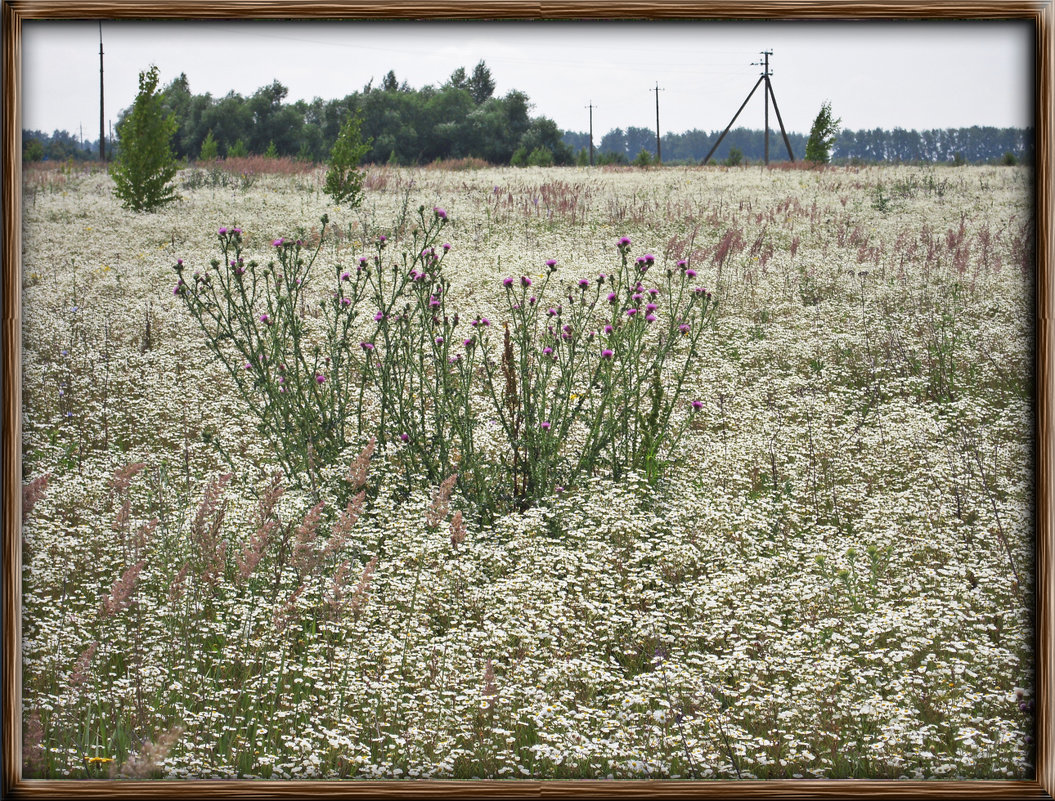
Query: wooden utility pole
[(591, 107), (764, 78), (659, 153), (102, 124)]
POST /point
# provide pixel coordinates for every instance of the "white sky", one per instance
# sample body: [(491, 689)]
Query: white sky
[(913, 75)]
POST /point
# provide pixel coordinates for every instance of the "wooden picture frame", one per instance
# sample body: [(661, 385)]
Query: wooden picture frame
[(1039, 14)]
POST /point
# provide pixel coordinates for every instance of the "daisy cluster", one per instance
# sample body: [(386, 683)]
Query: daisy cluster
[(831, 577)]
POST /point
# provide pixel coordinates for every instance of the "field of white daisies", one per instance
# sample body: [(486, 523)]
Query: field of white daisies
[(821, 568)]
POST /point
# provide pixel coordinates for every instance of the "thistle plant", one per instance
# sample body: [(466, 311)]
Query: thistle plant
[(588, 376)]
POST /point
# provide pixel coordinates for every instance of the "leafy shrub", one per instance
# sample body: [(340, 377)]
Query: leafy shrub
[(145, 164), (344, 181)]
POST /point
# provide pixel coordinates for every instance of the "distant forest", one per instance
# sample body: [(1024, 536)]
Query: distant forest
[(463, 119)]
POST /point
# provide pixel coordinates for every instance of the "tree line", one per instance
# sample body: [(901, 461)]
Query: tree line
[(956, 145), (462, 118)]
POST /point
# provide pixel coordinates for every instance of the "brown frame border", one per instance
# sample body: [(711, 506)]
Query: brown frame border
[(1040, 12)]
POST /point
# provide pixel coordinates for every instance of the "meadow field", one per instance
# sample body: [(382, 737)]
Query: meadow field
[(801, 545)]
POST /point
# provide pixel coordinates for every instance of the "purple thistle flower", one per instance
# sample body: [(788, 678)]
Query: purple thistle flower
[(612, 297), (236, 231), (248, 366), (446, 246), (222, 231), (320, 378), (362, 261), (382, 239), (175, 291), (531, 300), (551, 263), (525, 281), (631, 312), (684, 328), (690, 273), (624, 242), (179, 262), (607, 353), (379, 316), (651, 307), (367, 346), (551, 312), (346, 301), (637, 296), (485, 321), (439, 340), (650, 317), (440, 213), (469, 342), (583, 283), (265, 319), (682, 263), (507, 282), (608, 329), (546, 426), (346, 276), (404, 437), (277, 243), (547, 351), (697, 405)]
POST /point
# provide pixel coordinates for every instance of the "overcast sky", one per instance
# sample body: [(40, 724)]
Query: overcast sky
[(913, 75)]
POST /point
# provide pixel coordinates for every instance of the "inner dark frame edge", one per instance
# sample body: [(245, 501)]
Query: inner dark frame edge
[(12, 14)]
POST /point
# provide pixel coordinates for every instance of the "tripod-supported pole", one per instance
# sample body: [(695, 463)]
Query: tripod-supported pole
[(768, 93)]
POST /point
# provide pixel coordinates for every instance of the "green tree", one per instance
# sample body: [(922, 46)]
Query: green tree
[(271, 152), (822, 135), (209, 149), (344, 181), (481, 85), (643, 158), (237, 150), (734, 158), (145, 164)]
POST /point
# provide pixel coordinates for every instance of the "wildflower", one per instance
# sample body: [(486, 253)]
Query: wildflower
[(440, 213), (469, 342), (484, 321), (379, 316), (404, 437), (525, 281), (583, 283), (178, 288), (346, 276), (624, 242), (552, 264), (690, 273), (531, 300), (346, 301), (611, 297), (320, 378), (507, 282), (439, 340), (546, 425), (367, 346), (381, 240), (684, 328), (607, 353), (631, 312), (551, 312), (697, 405), (547, 351), (650, 317), (277, 243), (446, 246), (222, 231), (650, 307), (682, 264), (248, 366), (608, 329), (265, 319)]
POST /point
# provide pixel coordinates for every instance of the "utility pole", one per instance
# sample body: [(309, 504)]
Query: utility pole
[(768, 92), (765, 75), (102, 124), (659, 153), (591, 107)]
